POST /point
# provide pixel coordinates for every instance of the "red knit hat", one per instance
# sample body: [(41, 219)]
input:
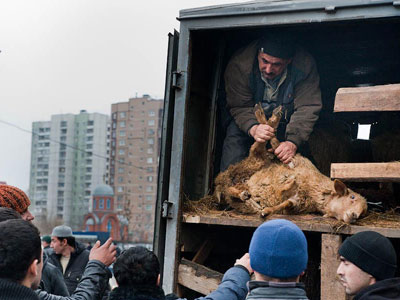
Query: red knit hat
[(14, 198)]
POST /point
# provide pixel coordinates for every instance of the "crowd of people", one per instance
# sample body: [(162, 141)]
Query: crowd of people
[(272, 71), (57, 267)]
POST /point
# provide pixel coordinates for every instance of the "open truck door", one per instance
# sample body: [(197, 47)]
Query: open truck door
[(162, 213)]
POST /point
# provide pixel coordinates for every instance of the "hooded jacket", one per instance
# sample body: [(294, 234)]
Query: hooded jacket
[(52, 279), (75, 268), (299, 94), (382, 290)]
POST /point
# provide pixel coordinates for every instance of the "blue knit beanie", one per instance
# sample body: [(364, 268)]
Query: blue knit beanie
[(278, 249)]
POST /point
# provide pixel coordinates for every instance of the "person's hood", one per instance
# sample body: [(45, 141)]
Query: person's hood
[(382, 290)]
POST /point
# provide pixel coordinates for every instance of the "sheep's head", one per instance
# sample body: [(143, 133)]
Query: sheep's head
[(346, 205)]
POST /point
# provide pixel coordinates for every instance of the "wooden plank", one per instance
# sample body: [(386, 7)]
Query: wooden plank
[(204, 252), (331, 289), (366, 172), (370, 98), (197, 277), (311, 223)]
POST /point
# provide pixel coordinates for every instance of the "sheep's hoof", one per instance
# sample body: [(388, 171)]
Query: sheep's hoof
[(244, 195), (266, 211)]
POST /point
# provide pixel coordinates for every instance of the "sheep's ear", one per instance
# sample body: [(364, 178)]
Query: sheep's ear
[(340, 187)]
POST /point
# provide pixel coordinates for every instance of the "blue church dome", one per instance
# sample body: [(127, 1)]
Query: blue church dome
[(103, 190)]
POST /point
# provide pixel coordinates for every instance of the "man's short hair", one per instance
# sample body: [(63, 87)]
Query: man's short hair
[(70, 240), (137, 266), (371, 252), (20, 245), (278, 249), (8, 214)]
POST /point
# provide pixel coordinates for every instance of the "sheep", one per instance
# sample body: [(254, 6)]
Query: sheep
[(261, 183)]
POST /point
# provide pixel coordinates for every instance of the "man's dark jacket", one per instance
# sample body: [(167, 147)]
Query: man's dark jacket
[(52, 278), (299, 94), (93, 284), (382, 290), (10, 290), (75, 268), (232, 287)]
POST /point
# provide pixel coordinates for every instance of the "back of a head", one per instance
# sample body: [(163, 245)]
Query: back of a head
[(136, 266), (7, 213), (278, 249), (19, 246), (14, 198), (371, 252)]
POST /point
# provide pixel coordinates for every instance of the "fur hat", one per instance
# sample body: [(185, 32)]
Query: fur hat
[(371, 252), (14, 198), (278, 249)]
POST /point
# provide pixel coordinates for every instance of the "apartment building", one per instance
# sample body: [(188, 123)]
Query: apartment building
[(135, 145), (69, 157)]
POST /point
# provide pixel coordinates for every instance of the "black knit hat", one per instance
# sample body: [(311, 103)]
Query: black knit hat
[(371, 252), (281, 46)]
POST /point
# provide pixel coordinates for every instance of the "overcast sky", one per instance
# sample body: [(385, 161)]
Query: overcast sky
[(61, 56)]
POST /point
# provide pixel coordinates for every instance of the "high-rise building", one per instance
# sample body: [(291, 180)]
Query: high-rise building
[(135, 147), (69, 157)]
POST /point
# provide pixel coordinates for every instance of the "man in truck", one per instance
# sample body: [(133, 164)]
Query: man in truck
[(273, 71), (368, 263)]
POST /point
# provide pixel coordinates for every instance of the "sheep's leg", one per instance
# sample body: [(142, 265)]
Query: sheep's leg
[(273, 121), (288, 189), (239, 193), (284, 205)]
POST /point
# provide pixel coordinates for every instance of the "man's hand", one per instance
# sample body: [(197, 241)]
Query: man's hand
[(262, 132), (105, 254), (245, 262), (286, 151)]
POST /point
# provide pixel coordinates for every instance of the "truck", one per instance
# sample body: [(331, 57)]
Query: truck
[(356, 44)]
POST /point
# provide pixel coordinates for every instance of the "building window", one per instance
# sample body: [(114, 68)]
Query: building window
[(149, 188), (109, 226), (122, 142), (122, 124), (122, 114), (150, 141), (151, 123), (122, 133), (121, 170), (90, 122), (149, 178), (148, 206), (121, 151), (63, 123), (108, 203), (149, 160), (120, 189), (150, 150), (120, 179), (152, 113), (89, 130), (94, 204), (101, 203)]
